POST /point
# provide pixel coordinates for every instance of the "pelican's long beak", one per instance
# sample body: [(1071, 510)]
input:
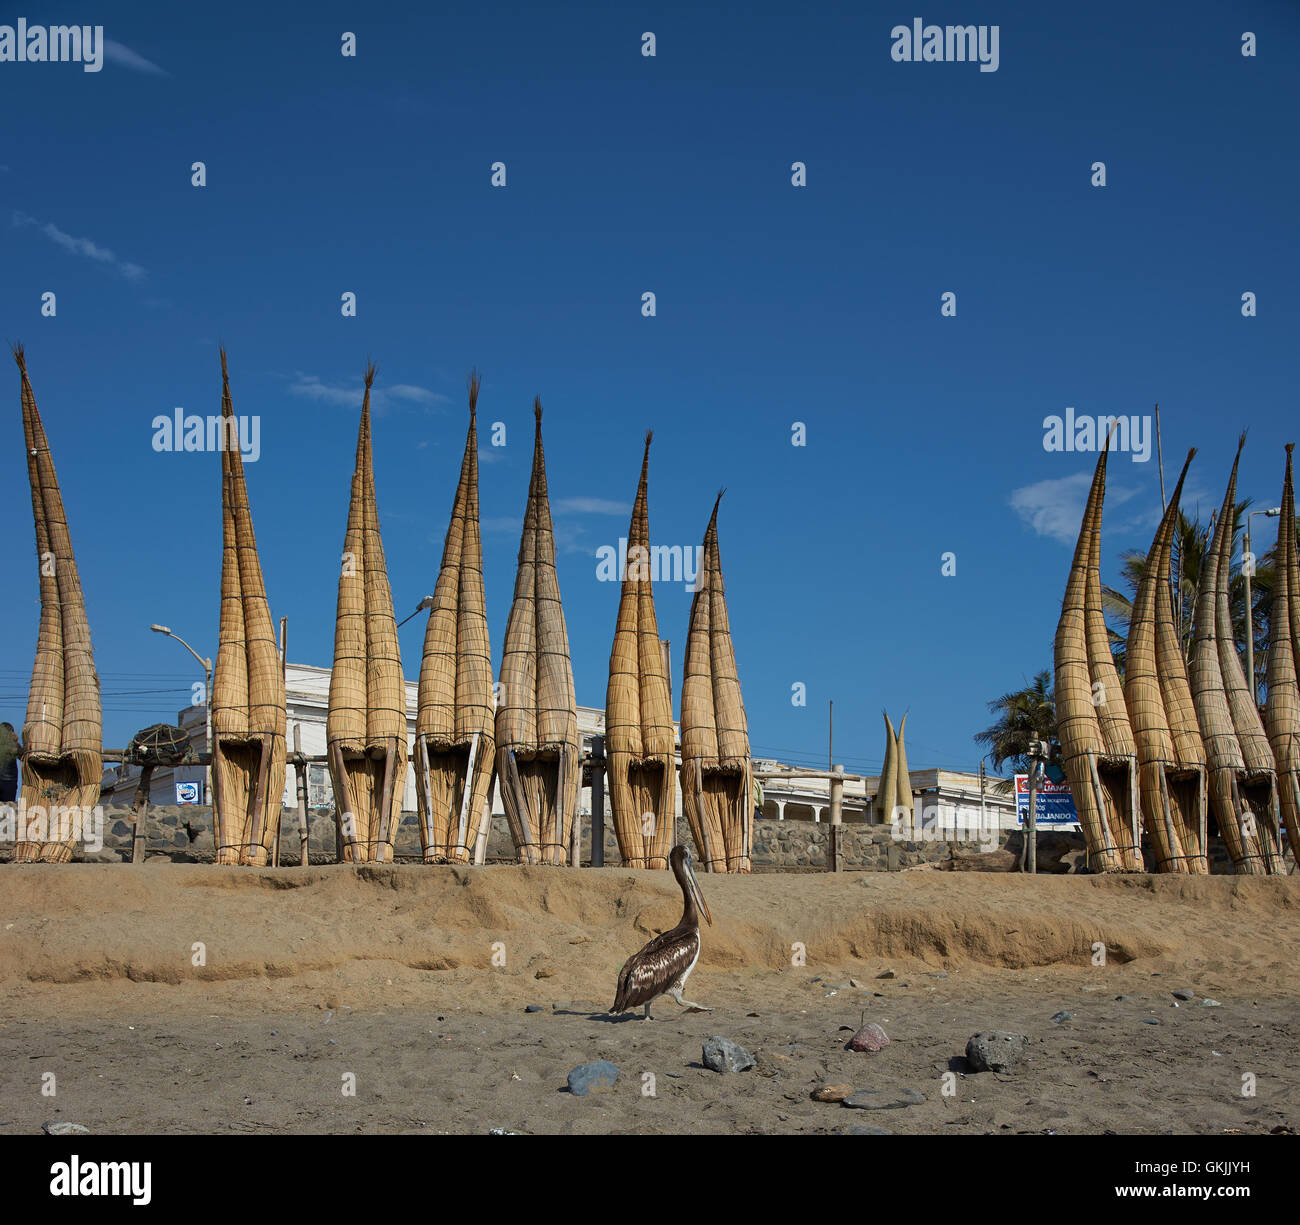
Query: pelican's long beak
[(699, 897)]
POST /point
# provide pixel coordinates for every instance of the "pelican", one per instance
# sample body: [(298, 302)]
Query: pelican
[(664, 965)]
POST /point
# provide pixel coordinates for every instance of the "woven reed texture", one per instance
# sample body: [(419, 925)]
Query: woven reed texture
[(638, 709), (62, 760), (903, 779), (1172, 782), (538, 747), (455, 737), (366, 724), (717, 776), (887, 788), (248, 716), (1243, 801), (1096, 737), (1282, 707)]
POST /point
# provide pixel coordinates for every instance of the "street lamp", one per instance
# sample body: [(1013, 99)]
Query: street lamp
[(207, 696), (1247, 569), (427, 602)]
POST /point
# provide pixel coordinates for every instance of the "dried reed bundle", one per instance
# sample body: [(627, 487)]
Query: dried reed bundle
[(538, 747), (1282, 708), (366, 726), (248, 719), (717, 774), (638, 709), (63, 733), (1097, 745), (1171, 756), (1242, 793), (454, 738), (894, 800)]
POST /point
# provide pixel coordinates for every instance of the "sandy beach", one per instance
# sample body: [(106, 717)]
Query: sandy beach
[(387, 975)]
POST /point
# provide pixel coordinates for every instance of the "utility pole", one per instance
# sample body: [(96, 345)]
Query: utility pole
[(1037, 754), (598, 801)]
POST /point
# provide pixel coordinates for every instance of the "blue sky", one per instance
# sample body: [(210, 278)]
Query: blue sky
[(775, 304)]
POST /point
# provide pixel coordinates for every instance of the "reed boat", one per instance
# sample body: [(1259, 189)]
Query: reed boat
[(248, 717), (1097, 745), (717, 773), (894, 789), (63, 733), (639, 739), (1171, 755), (1282, 705), (366, 725), (454, 731), (538, 748), (1243, 795)]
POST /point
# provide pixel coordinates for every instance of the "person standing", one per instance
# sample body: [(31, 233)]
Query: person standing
[(9, 750)]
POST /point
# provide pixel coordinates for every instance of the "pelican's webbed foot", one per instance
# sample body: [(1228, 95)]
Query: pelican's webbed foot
[(677, 995)]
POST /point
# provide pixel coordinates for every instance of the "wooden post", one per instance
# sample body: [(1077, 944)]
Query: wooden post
[(598, 801), (837, 818), (485, 828), (300, 773), (1031, 821), (140, 837)]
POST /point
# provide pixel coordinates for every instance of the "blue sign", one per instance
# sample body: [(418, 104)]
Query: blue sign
[(187, 793), (1054, 805)]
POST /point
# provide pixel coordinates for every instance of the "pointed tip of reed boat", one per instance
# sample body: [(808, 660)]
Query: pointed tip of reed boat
[(20, 356), (537, 409), (475, 381), (649, 437)]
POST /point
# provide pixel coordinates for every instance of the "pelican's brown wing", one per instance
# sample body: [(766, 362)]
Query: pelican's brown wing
[(656, 967)]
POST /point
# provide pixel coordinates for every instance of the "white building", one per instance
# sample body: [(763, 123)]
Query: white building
[(789, 794)]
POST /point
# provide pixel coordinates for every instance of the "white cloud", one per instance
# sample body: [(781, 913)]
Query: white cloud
[(590, 506), (1054, 508), (82, 246), (348, 395), (116, 53)]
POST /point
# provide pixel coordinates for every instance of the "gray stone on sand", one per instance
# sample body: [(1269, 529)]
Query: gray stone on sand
[(1063, 1015), (65, 1129), (998, 1050), (592, 1077), (723, 1055), (889, 1099), (1184, 994), (1207, 1002)]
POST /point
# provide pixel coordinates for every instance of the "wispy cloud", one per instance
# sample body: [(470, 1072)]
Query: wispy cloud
[(1054, 508), (502, 523), (590, 506), (348, 395), (81, 246), (116, 53)]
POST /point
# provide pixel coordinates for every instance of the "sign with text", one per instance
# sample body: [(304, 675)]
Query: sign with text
[(1054, 806)]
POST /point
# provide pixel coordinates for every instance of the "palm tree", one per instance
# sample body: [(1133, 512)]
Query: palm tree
[(1023, 715)]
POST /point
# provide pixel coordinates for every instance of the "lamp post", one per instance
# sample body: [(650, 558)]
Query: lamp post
[(427, 602), (207, 699), (1248, 569)]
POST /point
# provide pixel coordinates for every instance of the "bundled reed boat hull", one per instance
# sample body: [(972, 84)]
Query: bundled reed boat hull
[(538, 747), (455, 742), (717, 773), (366, 725), (62, 759), (1282, 707), (1097, 745), (248, 714), (1172, 778), (641, 755), (1242, 785)]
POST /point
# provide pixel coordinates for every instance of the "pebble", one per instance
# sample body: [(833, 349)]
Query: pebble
[(533, 1008), (887, 974), (874, 1099), (1184, 994), (1209, 1003), (1124, 999), (1150, 1021), (723, 1055), (869, 1038), (588, 1077), (995, 1051), (1063, 1015), (65, 1129), (831, 1093)]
